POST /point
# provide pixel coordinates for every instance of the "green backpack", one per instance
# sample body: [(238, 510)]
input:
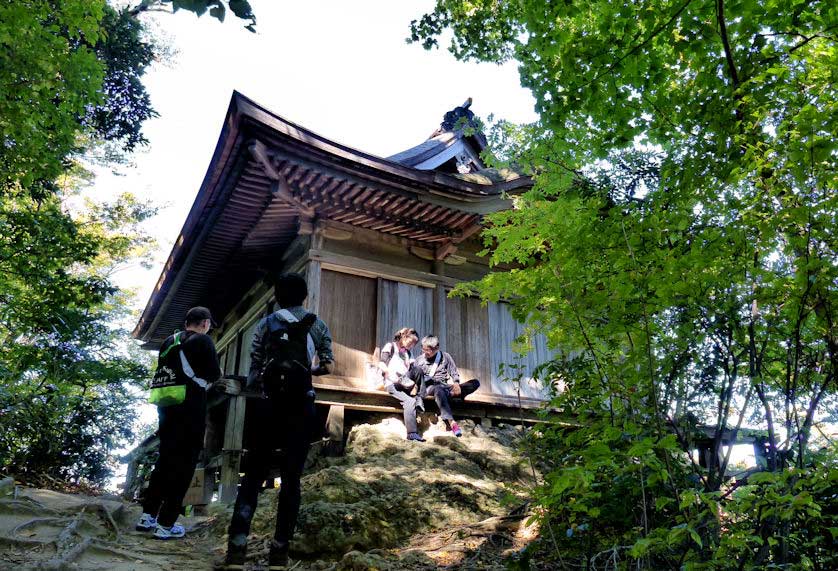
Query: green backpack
[(168, 386)]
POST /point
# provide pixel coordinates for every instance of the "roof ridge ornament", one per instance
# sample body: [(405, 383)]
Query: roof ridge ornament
[(459, 120)]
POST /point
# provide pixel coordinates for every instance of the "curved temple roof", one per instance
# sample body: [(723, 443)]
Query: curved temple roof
[(270, 180)]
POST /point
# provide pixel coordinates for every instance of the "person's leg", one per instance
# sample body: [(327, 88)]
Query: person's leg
[(189, 442), (169, 420), (292, 462), (468, 388), (442, 397), (409, 408), (257, 461), (291, 465)]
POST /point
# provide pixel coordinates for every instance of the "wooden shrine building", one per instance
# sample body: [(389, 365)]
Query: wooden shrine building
[(381, 242)]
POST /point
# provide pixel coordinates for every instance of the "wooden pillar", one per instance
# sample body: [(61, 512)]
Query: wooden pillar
[(335, 429), (440, 325), (313, 272), (381, 336), (232, 451), (334, 422)]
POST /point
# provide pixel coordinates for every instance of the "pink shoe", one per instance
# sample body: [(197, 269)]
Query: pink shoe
[(455, 428)]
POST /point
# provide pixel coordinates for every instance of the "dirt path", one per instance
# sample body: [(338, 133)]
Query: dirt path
[(42, 529), (387, 505)]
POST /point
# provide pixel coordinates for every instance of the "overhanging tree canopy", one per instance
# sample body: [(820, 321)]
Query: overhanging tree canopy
[(679, 244)]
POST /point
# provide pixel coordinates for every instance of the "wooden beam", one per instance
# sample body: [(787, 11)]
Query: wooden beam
[(332, 206), (440, 324), (445, 249), (232, 451), (450, 247), (369, 268), (379, 401), (279, 185), (469, 231), (313, 274), (467, 202), (195, 493)]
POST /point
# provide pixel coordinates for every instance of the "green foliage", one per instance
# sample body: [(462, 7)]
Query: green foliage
[(216, 8), (125, 104), (49, 78), (678, 250), (70, 80), (66, 371)]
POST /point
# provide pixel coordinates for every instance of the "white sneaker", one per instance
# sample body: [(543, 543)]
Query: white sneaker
[(174, 532), (147, 523)]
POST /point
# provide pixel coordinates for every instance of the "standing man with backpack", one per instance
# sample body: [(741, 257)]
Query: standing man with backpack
[(186, 366), (285, 345)]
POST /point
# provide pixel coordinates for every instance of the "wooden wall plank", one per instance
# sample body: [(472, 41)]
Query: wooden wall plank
[(504, 330), (313, 272), (403, 305), (348, 306), (233, 439), (246, 345), (467, 332), (230, 364), (440, 323)]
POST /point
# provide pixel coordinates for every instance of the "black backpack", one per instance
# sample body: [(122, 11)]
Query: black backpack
[(287, 370)]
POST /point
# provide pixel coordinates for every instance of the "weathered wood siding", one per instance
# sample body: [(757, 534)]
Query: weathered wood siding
[(348, 306), (467, 340), (403, 305), (246, 345), (371, 289), (503, 329), (230, 358)]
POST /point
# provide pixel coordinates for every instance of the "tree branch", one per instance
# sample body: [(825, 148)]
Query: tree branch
[(636, 48)]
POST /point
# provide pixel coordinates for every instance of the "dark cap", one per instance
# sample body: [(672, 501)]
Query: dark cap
[(198, 314)]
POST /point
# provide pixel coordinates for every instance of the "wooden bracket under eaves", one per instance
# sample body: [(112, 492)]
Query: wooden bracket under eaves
[(449, 247), (279, 185)]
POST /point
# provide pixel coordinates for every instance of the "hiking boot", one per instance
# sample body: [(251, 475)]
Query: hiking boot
[(147, 523), (455, 428), (278, 555), (415, 436), (174, 532), (234, 559)]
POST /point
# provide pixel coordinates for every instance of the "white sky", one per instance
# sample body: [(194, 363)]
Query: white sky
[(341, 69)]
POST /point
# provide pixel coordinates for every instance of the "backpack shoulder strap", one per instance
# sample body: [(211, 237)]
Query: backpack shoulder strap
[(175, 343), (286, 316)]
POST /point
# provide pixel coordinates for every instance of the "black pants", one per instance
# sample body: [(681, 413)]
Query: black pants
[(270, 427), (443, 398), (408, 405), (181, 432)]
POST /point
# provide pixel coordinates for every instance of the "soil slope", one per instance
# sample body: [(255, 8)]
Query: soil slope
[(385, 504)]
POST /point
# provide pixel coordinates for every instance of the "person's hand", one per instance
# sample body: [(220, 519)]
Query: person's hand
[(228, 386), (255, 385), (320, 370)]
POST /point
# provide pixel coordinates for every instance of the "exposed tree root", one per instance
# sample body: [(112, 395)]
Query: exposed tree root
[(24, 504), (489, 528), (22, 541), (36, 521), (68, 552), (122, 552), (110, 520), (71, 543)]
